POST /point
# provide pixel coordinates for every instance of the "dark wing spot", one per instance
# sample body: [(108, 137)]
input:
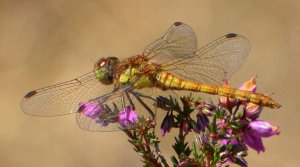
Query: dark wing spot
[(30, 94), (177, 23), (231, 35), (81, 108)]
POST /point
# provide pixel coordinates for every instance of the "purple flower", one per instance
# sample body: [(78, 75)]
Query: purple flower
[(263, 129), (229, 103), (205, 108), (202, 121), (255, 131), (249, 85), (203, 140), (90, 109), (254, 142), (166, 124), (128, 117), (252, 110), (231, 141)]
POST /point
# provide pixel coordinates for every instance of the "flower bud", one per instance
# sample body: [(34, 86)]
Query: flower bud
[(263, 129), (167, 124), (202, 121)]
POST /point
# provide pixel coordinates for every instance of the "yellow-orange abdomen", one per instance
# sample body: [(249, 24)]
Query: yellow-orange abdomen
[(171, 81)]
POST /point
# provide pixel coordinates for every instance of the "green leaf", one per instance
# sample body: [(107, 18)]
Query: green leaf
[(195, 153), (141, 153), (174, 160)]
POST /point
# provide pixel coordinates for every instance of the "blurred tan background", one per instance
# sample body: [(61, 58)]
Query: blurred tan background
[(47, 42)]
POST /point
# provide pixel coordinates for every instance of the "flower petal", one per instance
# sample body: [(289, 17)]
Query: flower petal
[(252, 110), (253, 142), (90, 109), (227, 102), (263, 129), (202, 121), (128, 117), (249, 85), (167, 124)]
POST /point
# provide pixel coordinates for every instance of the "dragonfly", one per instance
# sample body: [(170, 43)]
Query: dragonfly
[(171, 63)]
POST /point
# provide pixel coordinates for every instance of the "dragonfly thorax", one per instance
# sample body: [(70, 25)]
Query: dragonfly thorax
[(105, 69)]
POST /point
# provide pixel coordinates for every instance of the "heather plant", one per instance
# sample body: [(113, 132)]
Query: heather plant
[(224, 131)]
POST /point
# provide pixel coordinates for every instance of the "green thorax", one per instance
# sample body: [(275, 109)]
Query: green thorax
[(133, 75)]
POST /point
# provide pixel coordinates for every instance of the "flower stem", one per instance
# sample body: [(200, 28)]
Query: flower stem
[(162, 158)]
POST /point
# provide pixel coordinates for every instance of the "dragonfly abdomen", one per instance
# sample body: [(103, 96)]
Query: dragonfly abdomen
[(168, 80)]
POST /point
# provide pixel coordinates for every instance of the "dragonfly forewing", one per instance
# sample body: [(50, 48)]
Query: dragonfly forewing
[(63, 98)]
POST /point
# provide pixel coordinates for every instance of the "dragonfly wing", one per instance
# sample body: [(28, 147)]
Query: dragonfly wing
[(63, 98), (180, 41), (177, 53), (114, 104), (89, 124), (214, 62)]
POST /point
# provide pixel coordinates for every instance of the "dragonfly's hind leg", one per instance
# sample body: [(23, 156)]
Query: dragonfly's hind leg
[(103, 98), (130, 100), (138, 97), (142, 95)]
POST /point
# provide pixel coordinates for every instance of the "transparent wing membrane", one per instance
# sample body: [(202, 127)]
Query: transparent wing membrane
[(114, 105), (214, 62), (177, 53), (179, 42), (63, 98)]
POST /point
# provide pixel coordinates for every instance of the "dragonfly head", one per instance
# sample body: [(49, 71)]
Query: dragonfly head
[(105, 69)]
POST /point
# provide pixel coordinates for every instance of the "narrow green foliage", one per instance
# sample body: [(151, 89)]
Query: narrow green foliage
[(195, 152), (181, 147)]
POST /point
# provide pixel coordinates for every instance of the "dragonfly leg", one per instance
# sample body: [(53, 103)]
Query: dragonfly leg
[(130, 100), (142, 95), (122, 101), (116, 91), (116, 110), (102, 98), (136, 95)]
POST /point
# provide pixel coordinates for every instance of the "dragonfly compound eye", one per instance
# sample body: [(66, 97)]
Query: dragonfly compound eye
[(104, 70)]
